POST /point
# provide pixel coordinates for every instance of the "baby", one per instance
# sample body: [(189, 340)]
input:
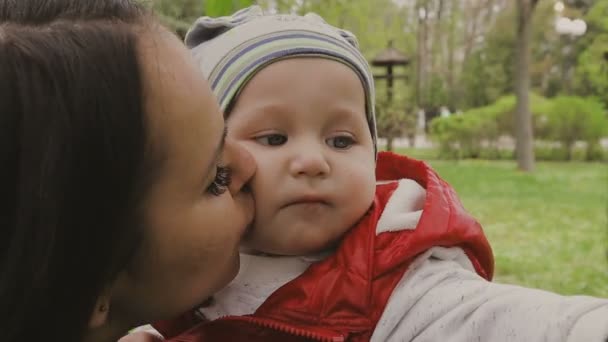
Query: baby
[(348, 244)]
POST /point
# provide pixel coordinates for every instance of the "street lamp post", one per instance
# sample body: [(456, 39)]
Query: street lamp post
[(570, 30)]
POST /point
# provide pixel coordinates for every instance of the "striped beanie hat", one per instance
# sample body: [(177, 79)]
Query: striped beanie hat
[(231, 50)]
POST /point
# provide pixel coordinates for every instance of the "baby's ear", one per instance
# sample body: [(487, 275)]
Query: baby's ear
[(207, 28)]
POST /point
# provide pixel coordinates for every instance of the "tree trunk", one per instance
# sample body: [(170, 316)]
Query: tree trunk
[(389, 144), (451, 56), (411, 140), (524, 137), (470, 31), (569, 152), (590, 151), (426, 71), (419, 57), (437, 46)]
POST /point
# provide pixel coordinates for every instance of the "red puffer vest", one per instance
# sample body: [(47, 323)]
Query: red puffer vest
[(342, 297)]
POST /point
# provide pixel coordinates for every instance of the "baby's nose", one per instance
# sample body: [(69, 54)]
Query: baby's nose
[(312, 163)]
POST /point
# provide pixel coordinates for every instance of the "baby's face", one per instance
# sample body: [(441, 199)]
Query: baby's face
[(303, 120)]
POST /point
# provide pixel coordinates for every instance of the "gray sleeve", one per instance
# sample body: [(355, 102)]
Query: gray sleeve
[(442, 299)]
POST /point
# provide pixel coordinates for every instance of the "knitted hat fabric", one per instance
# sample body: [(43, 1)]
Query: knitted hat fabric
[(231, 50)]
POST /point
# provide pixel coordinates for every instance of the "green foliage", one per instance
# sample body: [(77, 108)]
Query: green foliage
[(591, 74), (484, 75), (574, 118), (543, 151), (179, 9), (180, 14), (488, 72), (374, 22), (475, 133), (565, 119), (218, 8), (548, 60), (458, 135), (597, 17), (437, 95), (395, 118), (503, 111), (592, 70), (444, 131), (484, 78)]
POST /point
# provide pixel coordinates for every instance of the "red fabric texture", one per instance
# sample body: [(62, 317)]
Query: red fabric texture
[(342, 297)]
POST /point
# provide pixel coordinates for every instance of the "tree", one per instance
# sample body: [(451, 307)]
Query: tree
[(591, 76), (573, 119), (478, 130), (217, 8), (180, 14), (395, 117), (524, 137)]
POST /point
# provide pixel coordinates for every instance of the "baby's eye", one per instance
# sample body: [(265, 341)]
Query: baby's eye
[(272, 139), (223, 177), (341, 142)]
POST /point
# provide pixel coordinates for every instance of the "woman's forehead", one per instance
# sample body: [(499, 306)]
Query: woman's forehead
[(184, 119)]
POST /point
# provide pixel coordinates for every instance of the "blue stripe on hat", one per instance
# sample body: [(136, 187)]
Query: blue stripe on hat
[(281, 37)]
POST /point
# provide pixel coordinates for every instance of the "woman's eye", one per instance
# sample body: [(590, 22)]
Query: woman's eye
[(223, 177), (341, 142), (272, 139)]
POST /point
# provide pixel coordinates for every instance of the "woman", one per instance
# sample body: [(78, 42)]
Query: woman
[(122, 202)]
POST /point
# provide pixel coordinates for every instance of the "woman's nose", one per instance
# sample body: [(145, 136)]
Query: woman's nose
[(241, 164), (309, 162)]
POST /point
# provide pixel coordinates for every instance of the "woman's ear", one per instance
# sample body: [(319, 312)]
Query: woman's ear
[(99, 316)]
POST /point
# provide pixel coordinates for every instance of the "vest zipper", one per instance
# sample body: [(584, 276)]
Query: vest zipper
[(322, 335)]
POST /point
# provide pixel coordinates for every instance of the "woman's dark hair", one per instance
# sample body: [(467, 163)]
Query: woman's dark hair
[(73, 156)]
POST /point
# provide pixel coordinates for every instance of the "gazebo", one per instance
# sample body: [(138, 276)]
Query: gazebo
[(390, 58)]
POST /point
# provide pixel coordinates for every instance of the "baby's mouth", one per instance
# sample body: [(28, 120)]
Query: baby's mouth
[(308, 208), (308, 200)]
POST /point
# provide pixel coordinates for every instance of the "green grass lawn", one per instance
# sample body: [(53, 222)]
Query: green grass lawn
[(548, 229)]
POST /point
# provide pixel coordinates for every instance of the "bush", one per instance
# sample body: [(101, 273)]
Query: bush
[(566, 120), (395, 118), (444, 131), (573, 119), (459, 136), (559, 153), (475, 133)]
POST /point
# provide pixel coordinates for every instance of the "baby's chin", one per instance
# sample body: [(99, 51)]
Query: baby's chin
[(294, 247)]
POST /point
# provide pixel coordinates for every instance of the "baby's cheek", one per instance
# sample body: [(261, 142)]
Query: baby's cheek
[(360, 196)]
